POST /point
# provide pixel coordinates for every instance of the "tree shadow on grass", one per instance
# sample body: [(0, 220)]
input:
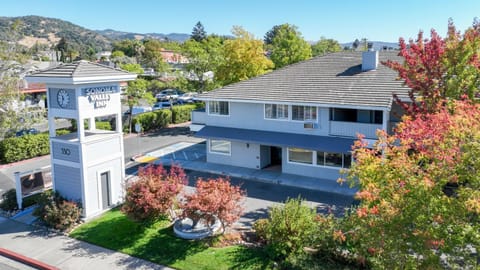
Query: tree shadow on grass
[(249, 258)]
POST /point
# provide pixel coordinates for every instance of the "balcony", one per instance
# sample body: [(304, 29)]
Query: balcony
[(350, 129), (198, 119)]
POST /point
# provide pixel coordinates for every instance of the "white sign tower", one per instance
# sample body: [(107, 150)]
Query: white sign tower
[(87, 165)]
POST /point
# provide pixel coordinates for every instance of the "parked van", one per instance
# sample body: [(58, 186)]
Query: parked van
[(138, 110)]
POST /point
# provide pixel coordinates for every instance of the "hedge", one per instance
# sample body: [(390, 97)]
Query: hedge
[(181, 114), (153, 120), (24, 147)]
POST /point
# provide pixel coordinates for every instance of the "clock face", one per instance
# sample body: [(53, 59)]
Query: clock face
[(63, 98)]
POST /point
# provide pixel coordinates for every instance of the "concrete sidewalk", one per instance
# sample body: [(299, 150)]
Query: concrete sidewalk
[(61, 251), (268, 176)]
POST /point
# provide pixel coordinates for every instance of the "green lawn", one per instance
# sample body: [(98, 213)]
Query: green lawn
[(157, 243)]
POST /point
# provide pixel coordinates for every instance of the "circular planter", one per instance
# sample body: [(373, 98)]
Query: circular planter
[(183, 229)]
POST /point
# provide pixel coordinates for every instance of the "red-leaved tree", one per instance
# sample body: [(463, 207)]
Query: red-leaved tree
[(154, 193), (214, 198), (439, 69)]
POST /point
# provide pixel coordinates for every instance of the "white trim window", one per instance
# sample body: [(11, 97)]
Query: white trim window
[(299, 155), (218, 107), (276, 111), (304, 113), (220, 147)]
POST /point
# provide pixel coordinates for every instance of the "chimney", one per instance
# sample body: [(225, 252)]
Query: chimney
[(369, 59)]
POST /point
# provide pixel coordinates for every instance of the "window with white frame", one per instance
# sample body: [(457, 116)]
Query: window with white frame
[(304, 113), (218, 107), (220, 147), (276, 111)]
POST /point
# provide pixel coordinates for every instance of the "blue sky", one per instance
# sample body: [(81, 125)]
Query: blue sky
[(343, 20)]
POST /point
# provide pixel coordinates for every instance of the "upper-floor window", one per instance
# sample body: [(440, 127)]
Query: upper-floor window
[(358, 116), (276, 111), (304, 113), (218, 107)]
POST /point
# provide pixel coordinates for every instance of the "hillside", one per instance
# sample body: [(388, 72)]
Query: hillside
[(119, 35), (48, 31)]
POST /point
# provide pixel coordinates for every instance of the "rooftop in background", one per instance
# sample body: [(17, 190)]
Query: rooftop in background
[(79, 72), (333, 79)]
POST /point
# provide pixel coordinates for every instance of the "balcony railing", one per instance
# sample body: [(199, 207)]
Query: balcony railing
[(198, 116), (350, 129)]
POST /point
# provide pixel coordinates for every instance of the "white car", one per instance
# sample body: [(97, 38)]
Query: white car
[(187, 97)]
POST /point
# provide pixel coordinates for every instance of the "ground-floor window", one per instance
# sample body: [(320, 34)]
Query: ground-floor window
[(220, 147), (319, 158), (300, 155)]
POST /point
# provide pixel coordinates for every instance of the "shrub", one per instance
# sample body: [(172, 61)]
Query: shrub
[(154, 194), (289, 229), (60, 132), (24, 147), (153, 120), (9, 200), (62, 215), (214, 198), (56, 211), (103, 125), (181, 114)]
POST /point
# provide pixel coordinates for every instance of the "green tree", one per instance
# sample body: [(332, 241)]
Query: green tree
[(244, 58), (204, 56), (134, 68), (63, 48), (198, 32), (271, 34), (152, 56), (289, 47), (324, 46), (136, 92), (131, 47), (12, 58)]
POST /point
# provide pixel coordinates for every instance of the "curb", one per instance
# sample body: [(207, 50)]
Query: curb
[(26, 260)]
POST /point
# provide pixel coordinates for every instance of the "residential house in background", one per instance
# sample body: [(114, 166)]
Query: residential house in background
[(304, 118)]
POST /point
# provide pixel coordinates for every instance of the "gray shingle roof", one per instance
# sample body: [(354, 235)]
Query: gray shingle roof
[(80, 69), (333, 79)]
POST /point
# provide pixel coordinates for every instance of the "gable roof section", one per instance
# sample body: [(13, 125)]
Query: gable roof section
[(333, 79), (81, 71)]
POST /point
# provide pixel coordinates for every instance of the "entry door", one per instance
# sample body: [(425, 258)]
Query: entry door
[(105, 184), (276, 155)]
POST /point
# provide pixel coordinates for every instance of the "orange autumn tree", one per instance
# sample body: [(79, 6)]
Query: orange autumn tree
[(419, 192)]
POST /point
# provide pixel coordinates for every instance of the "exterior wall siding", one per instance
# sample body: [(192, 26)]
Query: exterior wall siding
[(68, 182), (241, 155), (94, 200), (251, 116), (99, 149)]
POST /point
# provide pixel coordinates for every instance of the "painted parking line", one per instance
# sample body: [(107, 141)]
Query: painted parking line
[(165, 151)]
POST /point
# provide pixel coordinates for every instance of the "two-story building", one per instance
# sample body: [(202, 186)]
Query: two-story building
[(304, 118)]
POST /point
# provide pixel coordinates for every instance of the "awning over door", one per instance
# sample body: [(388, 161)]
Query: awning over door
[(282, 139)]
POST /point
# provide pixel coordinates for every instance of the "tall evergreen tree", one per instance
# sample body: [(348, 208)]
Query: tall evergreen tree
[(198, 32)]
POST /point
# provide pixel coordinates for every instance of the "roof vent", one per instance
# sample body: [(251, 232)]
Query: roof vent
[(369, 60)]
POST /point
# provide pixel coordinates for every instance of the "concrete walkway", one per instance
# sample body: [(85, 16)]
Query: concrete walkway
[(192, 158), (60, 251)]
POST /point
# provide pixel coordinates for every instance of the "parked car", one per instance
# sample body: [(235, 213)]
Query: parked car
[(187, 97), (161, 105), (168, 94), (138, 109), (26, 131)]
